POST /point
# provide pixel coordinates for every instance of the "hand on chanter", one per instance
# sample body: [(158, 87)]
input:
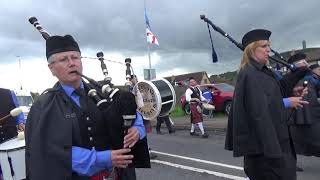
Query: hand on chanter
[(120, 158), (131, 138), (300, 91), (302, 63), (297, 102)]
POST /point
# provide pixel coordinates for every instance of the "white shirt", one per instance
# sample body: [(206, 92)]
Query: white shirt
[(189, 92)]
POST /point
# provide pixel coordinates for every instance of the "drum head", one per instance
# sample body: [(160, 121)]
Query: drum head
[(151, 100), (12, 144)]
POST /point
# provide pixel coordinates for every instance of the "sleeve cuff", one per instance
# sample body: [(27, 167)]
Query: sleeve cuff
[(20, 119), (142, 132), (139, 125), (104, 159), (286, 102)]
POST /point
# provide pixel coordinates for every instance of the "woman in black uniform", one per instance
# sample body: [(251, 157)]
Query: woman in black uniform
[(257, 127)]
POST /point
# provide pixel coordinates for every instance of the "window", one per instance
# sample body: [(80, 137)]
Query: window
[(24, 100), (225, 87)]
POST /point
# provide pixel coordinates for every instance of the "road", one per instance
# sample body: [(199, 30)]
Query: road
[(182, 157)]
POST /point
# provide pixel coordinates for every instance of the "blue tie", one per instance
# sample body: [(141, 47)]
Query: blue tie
[(82, 98)]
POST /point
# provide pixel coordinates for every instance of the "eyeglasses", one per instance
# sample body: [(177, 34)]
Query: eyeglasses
[(66, 59)]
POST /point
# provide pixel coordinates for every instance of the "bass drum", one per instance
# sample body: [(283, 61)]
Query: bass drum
[(159, 98), (12, 159)]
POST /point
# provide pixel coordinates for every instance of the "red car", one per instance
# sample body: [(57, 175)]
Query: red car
[(222, 97)]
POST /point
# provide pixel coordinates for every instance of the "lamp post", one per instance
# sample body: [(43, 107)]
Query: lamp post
[(19, 59)]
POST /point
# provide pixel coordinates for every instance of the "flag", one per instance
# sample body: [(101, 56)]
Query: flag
[(151, 38)]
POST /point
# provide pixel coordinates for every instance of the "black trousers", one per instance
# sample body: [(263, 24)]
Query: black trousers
[(259, 167), (165, 119), (128, 174)]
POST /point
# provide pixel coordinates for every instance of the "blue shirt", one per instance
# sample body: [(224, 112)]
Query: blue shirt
[(286, 102), (88, 162), (20, 117)]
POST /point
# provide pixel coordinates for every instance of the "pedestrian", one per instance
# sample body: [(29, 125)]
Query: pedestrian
[(166, 119), (194, 98)]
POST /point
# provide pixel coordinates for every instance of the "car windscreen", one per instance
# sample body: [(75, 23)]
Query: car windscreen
[(224, 87), (24, 100)]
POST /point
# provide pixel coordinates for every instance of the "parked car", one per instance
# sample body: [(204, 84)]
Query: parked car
[(222, 97)]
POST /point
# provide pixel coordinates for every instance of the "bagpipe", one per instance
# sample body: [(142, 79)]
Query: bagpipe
[(153, 98), (287, 81), (118, 107), (239, 45)]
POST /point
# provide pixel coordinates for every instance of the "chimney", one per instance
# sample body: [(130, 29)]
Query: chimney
[(304, 44)]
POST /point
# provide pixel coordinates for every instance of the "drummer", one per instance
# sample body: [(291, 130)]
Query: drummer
[(194, 97), (8, 128)]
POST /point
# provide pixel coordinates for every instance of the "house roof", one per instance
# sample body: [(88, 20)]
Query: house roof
[(182, 77)]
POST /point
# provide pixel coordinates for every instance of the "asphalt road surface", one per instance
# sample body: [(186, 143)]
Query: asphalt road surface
[(182, 157)]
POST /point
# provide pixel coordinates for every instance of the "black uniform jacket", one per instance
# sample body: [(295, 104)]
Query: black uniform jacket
[(305, 125), (50, 118), (257, 122)]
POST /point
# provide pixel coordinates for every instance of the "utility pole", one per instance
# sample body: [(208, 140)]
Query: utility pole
[(20, 73)]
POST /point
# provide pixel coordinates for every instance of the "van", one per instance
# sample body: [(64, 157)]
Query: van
[(25, 101)]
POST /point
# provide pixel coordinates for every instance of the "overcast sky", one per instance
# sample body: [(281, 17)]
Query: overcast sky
[(117, 27)]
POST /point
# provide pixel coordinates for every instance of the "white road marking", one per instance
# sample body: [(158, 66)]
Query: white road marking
[(199, 160), (218, 174)]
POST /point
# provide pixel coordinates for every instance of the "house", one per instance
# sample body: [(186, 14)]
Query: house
[(200, 77)]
